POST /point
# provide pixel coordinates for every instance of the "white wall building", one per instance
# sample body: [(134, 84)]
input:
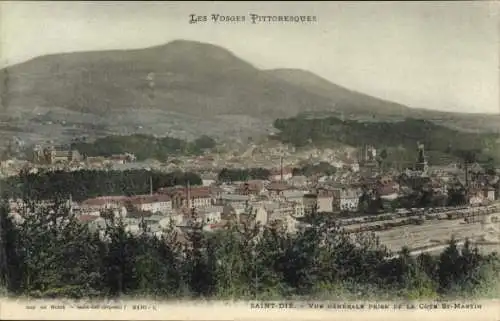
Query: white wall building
[(152, 203), (325, 203)]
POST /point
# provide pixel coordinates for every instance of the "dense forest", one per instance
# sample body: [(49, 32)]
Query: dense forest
[(229, 175), (399, 139), (51, 254), (321, 168), (144, 146), (89, 183)]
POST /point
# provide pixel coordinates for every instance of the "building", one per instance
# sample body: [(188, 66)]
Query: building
[(293, 195), (53, 155), (279, 175), (299, 210), (421, 165), (367, 155), (103, 203), (298, 181), (253, 187), (122, 158), (387, 188), (235, 200), (99, 205), (192, 197), (38, 155), (489, 194), (476, 197), (310, 203), (158, 203), (346, 199), (325, 200), (276, 189), (212, 215), (261, 216)]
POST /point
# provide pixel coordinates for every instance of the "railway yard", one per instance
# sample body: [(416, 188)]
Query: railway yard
[(430, 232)]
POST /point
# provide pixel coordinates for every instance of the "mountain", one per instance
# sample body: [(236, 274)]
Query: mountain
[(167, 89), (364, 107), (344, 100), (182, 76)]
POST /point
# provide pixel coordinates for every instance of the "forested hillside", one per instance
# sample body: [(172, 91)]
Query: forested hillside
[(84, 184), (396, 137), (144, 146), (51, 254)]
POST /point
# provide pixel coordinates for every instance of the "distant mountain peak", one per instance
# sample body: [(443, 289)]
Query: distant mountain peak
[(187, 77), (189, 49)]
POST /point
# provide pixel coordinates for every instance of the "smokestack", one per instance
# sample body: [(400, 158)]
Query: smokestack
[(188, 195), (281, 168), (150, 185), (467, 180)]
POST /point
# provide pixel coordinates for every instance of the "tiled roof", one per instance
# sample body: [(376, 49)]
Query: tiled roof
[(103, 200), (194, 192), (234, 197), (275, 186), (148, 199)]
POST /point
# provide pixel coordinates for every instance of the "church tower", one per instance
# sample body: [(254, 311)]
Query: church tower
[(421, 165)]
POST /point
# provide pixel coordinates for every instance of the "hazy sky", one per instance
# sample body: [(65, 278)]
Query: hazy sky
[(439, 55)]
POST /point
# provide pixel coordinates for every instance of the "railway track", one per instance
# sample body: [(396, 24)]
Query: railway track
[(429, 234), (469, 215)]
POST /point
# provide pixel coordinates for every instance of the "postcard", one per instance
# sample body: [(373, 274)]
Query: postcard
[(249, 160)]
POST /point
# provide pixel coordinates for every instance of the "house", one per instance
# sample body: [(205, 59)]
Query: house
[(299, 210), (276, 189), (212, 215), (279, 175), (476, 197), (388, 190), (346, 199), (157, 203), (235, 200), (208, 178), (298, 181), (53, 155), (325, 200), (193, 197), (101, 203), (310, 202), (208, 182), (293, 195), (489, 193), (216, 226), (261, 215), (279, 211), (122, 158), (252, 187), (439, 186)]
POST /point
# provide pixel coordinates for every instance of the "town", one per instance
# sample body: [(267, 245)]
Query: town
[(354, 189), (344, 155)]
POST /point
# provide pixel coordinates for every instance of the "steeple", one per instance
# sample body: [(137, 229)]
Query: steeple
[(421, 159)]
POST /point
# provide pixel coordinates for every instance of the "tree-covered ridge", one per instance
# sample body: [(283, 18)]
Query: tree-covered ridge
[(51, 254), (322, 168), (88, 183), (229, 175), (442, 141), (144, 146)]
